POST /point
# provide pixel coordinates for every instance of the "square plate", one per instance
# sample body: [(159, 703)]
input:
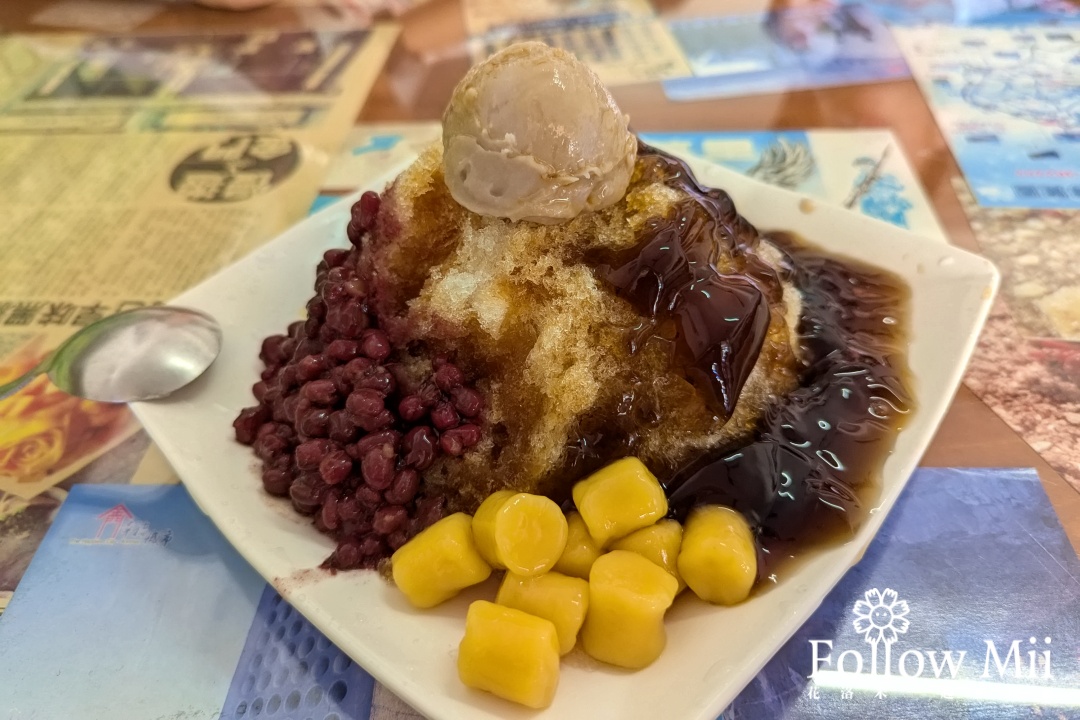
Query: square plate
[(712, 653)]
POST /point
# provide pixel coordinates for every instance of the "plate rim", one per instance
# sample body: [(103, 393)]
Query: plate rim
[(714, 702)]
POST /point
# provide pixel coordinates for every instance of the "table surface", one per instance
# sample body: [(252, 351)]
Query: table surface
[(972, 435)]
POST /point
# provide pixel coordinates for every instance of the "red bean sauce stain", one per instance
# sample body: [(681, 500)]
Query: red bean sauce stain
[(816, 452), (289, 585)]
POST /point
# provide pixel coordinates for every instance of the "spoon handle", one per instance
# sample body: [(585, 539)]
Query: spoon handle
[(9, 389)]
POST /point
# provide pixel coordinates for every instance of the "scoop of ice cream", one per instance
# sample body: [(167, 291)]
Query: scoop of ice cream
[(532, 134)]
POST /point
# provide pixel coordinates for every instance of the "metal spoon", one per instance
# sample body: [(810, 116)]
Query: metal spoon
[(135, 355)]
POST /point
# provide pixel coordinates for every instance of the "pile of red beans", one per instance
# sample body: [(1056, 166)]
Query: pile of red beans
[(341, 429)]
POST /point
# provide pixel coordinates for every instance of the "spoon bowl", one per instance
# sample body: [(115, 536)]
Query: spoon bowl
[(140, 354)]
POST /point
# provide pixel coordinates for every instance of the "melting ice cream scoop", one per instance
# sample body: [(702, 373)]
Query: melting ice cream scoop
[(532, 134)]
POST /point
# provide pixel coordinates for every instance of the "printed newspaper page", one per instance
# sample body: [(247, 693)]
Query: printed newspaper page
[(131, 168)]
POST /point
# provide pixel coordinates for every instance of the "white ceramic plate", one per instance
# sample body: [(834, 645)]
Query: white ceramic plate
[(712, 653)]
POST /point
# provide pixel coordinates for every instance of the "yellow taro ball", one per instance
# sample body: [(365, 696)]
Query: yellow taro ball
[(439, 562), (562, 600), (509, 653), (660, 543), (718, 559), (619, 499), (628, 596), (520, 532), (484, 526), (581, 550)]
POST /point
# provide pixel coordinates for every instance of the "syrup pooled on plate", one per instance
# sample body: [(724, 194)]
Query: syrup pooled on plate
[(817, 449)]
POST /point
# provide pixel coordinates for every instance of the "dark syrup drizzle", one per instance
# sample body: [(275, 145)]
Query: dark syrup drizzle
[(719, 317), (819, 445), (816, 448)]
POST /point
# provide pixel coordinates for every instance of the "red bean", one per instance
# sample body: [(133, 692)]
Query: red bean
[(357, 368), (448, 377), (371, 546), (379, 379), (311, 367), (315, 423), (309, 454), (396, 539), (312, 327), (328, 513), (307, 346), (341, 428), (444, 416), (347, 556), (366, 209), (342, 383), (277, 478), (365, 401), (333, 294), (277, 407), (389, 518), (375, 345), (349, 510), (430, 395), (289, 406), (403, 488), (307, 494), (374, 423), (377, 467), (259, 390), (429, 510), (456, 441), (288, 379), (373, 440), (282, 430), (348, 317), (467, 401), (270, 447), (320, 392), (335, 257), (411, 408), (343, 350), (355, 287), (355, 233), (316, 309), (247, 423), (327, 334), (339, 275), (368, 497), (335, 467), (274, 350), (359, 528)]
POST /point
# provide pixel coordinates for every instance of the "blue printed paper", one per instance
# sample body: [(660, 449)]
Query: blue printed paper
[(782, 158), (861, 169), (792, 49), (134, 606), (289, 669), (1008, 101), (971, 12), (966, 605)]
